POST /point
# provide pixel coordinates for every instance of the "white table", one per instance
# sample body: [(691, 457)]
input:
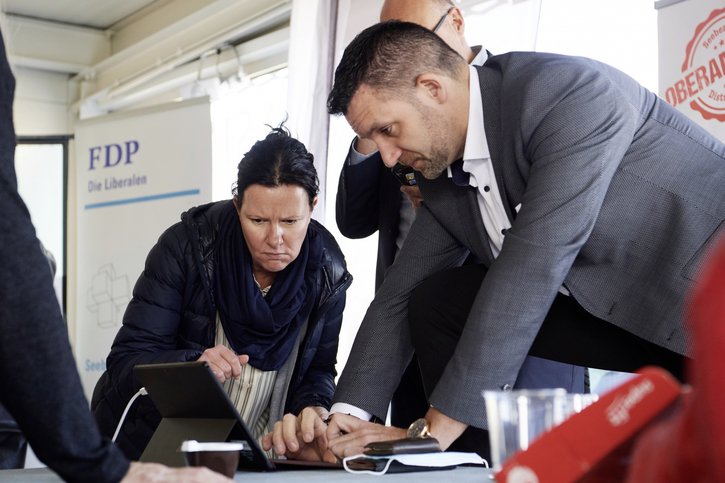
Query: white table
[(458, 475)]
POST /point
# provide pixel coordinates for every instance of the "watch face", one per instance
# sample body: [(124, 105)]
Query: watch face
[(419, 429)]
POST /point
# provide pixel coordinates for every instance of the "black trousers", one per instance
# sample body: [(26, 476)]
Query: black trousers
[(409, 401), (438, 309)]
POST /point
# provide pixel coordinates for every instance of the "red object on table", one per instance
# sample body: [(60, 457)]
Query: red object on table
[(591, 445), (670, 437), (690, 446)]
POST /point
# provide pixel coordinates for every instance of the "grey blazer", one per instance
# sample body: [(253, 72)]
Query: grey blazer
[(620, 196)]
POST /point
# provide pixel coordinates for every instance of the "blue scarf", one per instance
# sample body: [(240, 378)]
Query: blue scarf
[(265, 328)]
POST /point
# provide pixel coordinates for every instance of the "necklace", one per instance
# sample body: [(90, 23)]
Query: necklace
[(264, 290)]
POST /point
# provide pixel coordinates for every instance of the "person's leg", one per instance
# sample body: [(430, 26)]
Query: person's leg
[(409, 400), (571, 334), (437, 311), (540, 373)]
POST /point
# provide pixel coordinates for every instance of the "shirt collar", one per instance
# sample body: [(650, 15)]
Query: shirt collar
[(481, 55), (476, 144)]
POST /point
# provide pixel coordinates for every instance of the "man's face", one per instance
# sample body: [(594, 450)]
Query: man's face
[(405, 131)]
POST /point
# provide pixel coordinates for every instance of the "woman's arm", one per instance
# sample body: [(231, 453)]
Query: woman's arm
[(151, 323)]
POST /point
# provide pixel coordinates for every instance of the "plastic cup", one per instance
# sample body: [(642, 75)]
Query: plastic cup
[(517, 418), (220, 457)]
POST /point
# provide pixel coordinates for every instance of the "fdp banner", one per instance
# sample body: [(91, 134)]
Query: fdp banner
[(135, 174), (692, 60)]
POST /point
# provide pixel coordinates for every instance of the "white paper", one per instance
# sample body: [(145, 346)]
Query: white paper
[(430, 460)]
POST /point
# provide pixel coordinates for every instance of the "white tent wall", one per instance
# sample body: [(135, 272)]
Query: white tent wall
[(311, 64)]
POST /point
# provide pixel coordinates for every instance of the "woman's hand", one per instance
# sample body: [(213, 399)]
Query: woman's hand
[(301, 437), (223, 362)]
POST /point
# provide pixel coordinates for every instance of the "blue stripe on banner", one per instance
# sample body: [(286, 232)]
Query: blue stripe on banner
[(142, 199)]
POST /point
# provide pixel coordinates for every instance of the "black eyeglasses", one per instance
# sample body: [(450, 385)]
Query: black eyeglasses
[(441, 20)]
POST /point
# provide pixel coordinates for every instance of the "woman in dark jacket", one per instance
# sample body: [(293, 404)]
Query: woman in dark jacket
[(253, 286)]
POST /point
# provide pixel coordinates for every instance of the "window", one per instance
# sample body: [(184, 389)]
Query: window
[(41, 166), (240, 115)]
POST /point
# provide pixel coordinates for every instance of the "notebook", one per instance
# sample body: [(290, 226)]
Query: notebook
[(194, 405)]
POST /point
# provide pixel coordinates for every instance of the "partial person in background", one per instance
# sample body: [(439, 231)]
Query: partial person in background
[(370, 198), (13, 445), (39, 384), (253, 286)]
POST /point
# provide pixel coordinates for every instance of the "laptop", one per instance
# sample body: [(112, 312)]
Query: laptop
[(194, 405)]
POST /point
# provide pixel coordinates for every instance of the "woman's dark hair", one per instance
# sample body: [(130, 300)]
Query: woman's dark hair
[(276, 160)]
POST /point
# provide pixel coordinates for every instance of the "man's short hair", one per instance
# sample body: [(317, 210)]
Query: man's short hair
[(389, 57)]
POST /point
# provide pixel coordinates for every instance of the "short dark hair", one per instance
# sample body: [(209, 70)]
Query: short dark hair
[(278, 159), (390, 56)]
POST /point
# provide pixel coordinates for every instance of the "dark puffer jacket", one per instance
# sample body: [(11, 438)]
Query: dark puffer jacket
[(172, 317)]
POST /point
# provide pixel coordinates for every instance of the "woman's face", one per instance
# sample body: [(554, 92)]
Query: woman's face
[(274, 222)]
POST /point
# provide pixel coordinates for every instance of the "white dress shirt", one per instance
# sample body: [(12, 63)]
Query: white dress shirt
[(477, 162)]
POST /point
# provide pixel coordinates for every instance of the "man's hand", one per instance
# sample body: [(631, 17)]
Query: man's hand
[(223, 362), (348, 435), (444, 428), (365, 146), (413, 194), (301, 437), (156, 473)]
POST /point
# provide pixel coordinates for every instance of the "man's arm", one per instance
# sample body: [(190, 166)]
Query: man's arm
[(357, 204), (382, 347)]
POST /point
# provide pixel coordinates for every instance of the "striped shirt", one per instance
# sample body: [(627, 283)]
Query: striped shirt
[(251, 393)]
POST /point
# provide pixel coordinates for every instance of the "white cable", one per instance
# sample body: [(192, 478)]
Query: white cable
[(141, 392)]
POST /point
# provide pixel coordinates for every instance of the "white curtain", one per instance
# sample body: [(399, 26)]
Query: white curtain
[(311, 66)]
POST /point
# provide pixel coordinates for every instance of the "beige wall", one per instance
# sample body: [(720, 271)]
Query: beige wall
[(41, 103)]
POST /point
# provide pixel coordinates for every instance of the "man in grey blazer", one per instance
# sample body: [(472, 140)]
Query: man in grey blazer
[(370, 198), (593, 205)]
